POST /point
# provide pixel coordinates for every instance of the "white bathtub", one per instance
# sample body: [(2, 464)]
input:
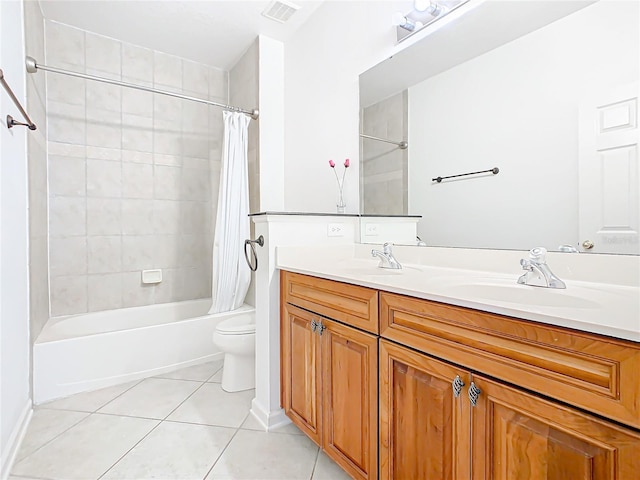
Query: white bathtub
[(85, 352)]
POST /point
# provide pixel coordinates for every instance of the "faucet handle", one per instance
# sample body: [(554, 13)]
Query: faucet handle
[(386, 248), (538, 254)]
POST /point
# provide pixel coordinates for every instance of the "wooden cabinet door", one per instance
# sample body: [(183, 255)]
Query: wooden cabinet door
[(519, 436), (424, 427), (350, 401), (301, 376)]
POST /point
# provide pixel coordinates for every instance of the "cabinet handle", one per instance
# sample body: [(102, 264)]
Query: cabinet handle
[(457, 385), (314, 325), (321, 327), (474, 393)]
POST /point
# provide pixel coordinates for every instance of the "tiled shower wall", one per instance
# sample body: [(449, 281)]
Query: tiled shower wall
[(37, 174), (384, 180), (133, 176)]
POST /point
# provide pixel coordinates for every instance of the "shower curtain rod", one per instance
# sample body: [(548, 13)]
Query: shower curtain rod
[(33, 67), (403, 145)]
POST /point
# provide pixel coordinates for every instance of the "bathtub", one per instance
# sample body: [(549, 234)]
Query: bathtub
[(85, 352)]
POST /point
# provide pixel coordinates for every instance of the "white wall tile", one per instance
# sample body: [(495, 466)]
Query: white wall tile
[(65, 89), (103, 53), (68, 295), (104, 292), (104, 216), (195, 78), (102, 153), (196, 184), (138, 252), (66, 123), (167, 216), (104, 128), (66, 149), (130, 156), (195, 217), (137, 180), (167, 253), (104, 254), (137, 62), (137, 217), (67, 176), (68, 256), (67, 216), (167, 70), (104, 178), (137, 133), (166, 181), (134, 292), (103, 96), (64, 45), (137, 102), (218, 84)]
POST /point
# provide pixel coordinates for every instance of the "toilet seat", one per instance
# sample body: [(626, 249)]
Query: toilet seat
[(240, 325)]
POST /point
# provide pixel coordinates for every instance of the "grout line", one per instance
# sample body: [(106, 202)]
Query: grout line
[(87, 415), (118, 396), (225, 448), (315, 464)]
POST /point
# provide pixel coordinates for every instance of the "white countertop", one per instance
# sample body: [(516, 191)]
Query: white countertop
[(602, 294)]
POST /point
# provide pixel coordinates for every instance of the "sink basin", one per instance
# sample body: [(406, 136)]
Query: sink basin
[(502, 291)]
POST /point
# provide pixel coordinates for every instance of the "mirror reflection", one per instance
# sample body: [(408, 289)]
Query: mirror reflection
[(552, 105)]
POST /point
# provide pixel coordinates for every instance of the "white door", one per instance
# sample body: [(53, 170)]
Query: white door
[(609, 180)]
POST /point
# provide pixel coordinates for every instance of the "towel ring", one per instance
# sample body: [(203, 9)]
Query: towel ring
[(253, 265)]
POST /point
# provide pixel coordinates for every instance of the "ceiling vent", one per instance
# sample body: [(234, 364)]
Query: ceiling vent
[(280, 11)]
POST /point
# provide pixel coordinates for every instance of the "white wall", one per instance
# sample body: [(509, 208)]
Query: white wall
[(516, 108), (15, 402), (322, 63)]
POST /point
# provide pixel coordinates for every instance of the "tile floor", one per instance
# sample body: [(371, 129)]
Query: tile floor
[(179, 425)]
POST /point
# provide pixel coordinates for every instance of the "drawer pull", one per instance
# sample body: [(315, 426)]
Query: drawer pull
[(457, 385), (314, 325), (474, 393)]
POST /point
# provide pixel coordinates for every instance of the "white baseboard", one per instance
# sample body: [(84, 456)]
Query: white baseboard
[(15, 439), (268, 419)]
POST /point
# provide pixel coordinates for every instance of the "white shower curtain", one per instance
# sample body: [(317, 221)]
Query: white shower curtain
[(231, 275)]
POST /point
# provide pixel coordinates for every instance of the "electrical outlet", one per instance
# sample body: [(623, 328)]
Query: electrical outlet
[(335, 230), (371, 229)]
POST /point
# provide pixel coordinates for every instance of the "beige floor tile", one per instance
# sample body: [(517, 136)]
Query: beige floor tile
[(151, 398), (255, 455), (173, 451), (198, 373), (327, 469), (217, 377), (90, 401), (211, 405), (46, 425), (86, 450)]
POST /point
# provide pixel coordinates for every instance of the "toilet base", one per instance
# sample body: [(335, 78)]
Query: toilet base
[(238, 372)]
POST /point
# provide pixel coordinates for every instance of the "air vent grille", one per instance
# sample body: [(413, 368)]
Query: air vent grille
[(280, 11)]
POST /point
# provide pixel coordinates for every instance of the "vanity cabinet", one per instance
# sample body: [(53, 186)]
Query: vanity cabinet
[(548, 403), (329, 371), (514, 434)]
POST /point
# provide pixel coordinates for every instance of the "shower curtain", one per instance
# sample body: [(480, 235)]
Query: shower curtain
[(231, 276)]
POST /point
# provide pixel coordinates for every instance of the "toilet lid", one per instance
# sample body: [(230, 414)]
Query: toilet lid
[(237, 325)]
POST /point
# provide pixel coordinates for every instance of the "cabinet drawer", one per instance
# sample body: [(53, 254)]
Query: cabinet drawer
[(356, 306), (589, 371)]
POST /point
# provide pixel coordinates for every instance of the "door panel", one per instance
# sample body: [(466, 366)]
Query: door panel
[(517, 436), (424, 428), (301, 374), (350, 380), (609, 177)]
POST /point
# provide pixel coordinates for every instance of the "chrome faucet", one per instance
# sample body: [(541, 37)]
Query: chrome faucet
[(538, 273), (387, 260)]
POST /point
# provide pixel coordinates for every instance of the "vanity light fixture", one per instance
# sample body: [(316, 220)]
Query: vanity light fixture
[(424, 13)]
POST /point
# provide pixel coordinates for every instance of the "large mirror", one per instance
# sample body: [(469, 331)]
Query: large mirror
[(544, 91)]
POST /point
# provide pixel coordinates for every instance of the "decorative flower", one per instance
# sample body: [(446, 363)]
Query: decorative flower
[(332, 164)]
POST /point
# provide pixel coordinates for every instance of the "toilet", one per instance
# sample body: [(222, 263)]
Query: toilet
[(236, 337)]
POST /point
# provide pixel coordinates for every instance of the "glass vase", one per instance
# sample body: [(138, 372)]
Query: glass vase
[(340, 206)]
